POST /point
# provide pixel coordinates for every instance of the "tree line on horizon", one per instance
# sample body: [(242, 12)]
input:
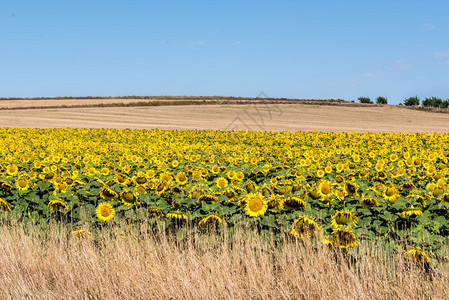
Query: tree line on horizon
[(410, 101)]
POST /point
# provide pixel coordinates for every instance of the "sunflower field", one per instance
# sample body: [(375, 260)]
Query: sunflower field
[(337, 188)]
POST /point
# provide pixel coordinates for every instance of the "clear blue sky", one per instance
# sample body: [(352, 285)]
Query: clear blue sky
[(295, 49)]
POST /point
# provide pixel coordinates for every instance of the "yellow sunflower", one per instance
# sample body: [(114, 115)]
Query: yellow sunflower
[(445, 198), (407, 186), (208, 198), (391, 193), (344, 238), (82, 234), (177, 216), (417, 255), (155, 211), (304, 227), (129, 197), (293, 203), (222, 182), (211, 220), (107, 193), (58, 204), (121, 179), (181, 178), (346, 218), (325, 188), (350, 189), (4, 185), (105, 211), (368, 202), (140, 178), (4, 205), (22, 183), (256, 205), (410, 213), (12, 170)]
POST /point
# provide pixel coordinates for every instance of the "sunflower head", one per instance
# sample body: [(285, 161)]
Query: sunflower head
[(410, 213), (12, 170), (165, 177), (293, 203), (407, 186), (346, 218), (328, 242), (155, 211), (107, 193), (196, 191), (105, 211), (325, 188), (251, 186), (211, 221), (255, 205), (177, 216), (82, 234), (140, 178), (445, 198), (304, 227), (314, 194), (22, 183), (344, 238), (368, 202), (6, 186), (209, 198), (58, 204), (181, 178), (350, 189), (121, 179), (391, 193), (4, 205), (222, 182), (129, 197), (275, 202), (417, 255)]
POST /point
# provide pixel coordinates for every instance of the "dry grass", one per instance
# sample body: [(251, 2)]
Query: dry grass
[(55, 265)]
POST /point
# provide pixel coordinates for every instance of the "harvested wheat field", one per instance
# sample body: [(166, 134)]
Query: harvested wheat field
[(254, 117)]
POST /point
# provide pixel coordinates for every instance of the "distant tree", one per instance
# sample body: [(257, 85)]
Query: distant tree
[(381, 100), (365, 100), (445, 103), (411, 101), (433, 102)]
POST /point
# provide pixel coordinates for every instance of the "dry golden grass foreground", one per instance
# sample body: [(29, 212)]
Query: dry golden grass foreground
[(274, 117), (139, 265)]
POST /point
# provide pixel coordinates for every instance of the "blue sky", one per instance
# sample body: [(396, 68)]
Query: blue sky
[(295, 49)]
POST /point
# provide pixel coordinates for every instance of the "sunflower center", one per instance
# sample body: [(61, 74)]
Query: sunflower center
[(351, 188), (105, 211), (141, 180), (129, 197), (255, 204), (390, 191), (49, 175), (22, 183), (326, 189)]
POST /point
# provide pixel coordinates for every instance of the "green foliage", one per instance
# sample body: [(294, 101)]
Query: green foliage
[(365, 100), (445, 103), (432, 102), (411, 101), (381, 100)]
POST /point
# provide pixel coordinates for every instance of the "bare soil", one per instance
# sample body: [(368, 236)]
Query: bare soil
[(272, 117)]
